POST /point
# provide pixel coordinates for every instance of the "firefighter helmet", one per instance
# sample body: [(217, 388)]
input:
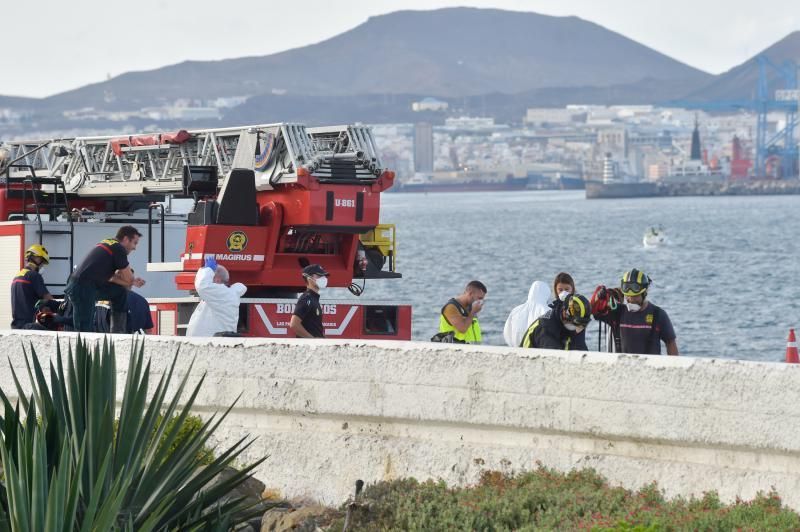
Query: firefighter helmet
[(634, 283), (578, 309), (38, 250)]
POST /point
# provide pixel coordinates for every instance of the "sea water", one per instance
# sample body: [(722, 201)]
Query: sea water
[(728, 278)]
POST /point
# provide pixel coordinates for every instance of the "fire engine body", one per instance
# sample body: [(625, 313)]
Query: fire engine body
[(266, 200)]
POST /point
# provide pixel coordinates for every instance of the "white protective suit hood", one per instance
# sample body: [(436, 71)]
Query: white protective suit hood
[(523, 315), (218, 310)]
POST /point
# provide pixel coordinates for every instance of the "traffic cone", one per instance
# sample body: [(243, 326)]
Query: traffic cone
[(791, 349)]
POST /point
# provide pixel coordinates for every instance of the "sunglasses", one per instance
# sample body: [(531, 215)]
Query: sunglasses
[(633, 287)]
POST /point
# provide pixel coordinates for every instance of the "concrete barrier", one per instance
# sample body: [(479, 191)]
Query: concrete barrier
[(330, 412)]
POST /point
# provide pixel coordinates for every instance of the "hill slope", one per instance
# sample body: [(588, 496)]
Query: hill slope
[(741, 81)]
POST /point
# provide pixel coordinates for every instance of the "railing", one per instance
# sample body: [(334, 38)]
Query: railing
[(150, 230)]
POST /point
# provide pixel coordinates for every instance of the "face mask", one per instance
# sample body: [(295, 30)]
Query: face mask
[(571, 327), (322, 283), (563, 295), (633, 307)]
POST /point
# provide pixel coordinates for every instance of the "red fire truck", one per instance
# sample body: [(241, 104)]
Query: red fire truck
[(264, 200)]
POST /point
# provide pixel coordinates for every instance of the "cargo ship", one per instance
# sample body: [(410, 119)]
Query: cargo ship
[(620, 189), (425, 183), (570, 182), (611, 186)]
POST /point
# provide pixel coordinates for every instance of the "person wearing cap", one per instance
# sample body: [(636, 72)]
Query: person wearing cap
[(28, 287), (638, 326), (217, 314), (561, 327), (306, 320)]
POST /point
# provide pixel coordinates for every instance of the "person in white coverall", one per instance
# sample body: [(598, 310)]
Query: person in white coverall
[(523, 315), (218, 310)]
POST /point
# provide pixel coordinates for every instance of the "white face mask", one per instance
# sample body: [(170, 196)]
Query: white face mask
[(633, 307), (571, 327), (563, 295), (322, 283)]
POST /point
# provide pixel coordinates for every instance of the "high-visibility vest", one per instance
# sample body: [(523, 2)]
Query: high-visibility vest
[(473, 332)]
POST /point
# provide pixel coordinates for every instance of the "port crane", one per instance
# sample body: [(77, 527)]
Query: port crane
[(777, 153)]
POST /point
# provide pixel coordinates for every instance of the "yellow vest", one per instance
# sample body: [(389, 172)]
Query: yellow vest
[(473, 333)]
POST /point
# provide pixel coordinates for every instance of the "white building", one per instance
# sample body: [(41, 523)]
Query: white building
[(469, 123), (429, 104), (550, 115)]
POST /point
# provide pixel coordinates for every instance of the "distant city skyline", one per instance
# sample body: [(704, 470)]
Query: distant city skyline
[(49, 47)]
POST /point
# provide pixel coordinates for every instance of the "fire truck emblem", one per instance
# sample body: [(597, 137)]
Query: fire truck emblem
[(236, 242)]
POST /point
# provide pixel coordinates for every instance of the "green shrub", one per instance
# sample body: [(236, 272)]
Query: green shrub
[(69, 465), (191, 426), (545, 499)]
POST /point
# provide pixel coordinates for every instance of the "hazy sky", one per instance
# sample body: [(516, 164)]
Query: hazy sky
[(49, 46)]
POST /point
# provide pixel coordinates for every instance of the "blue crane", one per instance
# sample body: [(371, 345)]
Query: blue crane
[(781, 144)]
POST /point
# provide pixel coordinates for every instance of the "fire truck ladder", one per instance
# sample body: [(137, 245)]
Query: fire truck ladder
[(48, 196), (153, 163)]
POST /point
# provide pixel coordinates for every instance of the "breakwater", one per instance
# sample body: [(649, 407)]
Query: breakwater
[(652, 189), (731, 188)]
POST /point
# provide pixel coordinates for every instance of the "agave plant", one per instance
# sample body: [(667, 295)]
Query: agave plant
[(68, 468)]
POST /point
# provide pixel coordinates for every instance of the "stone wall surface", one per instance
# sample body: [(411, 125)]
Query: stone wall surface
[(330, 412)]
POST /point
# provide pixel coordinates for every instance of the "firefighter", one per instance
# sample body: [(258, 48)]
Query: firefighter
[(561, 326), (28, 287), (638, 325), (104, 274), (217, 314), (306, 321)]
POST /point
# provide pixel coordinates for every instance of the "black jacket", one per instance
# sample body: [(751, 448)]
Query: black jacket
[(548, 332)]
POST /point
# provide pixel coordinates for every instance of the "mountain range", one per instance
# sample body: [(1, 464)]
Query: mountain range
[(479, 60)]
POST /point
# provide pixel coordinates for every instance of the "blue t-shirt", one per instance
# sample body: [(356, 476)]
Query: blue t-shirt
[(138, 313), (138, 310)]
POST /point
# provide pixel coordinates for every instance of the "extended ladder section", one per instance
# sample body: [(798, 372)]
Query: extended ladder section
[(153, 163)]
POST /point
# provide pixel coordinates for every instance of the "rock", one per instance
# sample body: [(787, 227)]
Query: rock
[(307, 519), (271, 494), (250, 489)]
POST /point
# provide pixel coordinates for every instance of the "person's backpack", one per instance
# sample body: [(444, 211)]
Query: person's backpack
[(445, 338)]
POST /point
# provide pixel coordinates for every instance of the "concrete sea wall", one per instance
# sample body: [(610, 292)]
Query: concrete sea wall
[(330, 412)]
